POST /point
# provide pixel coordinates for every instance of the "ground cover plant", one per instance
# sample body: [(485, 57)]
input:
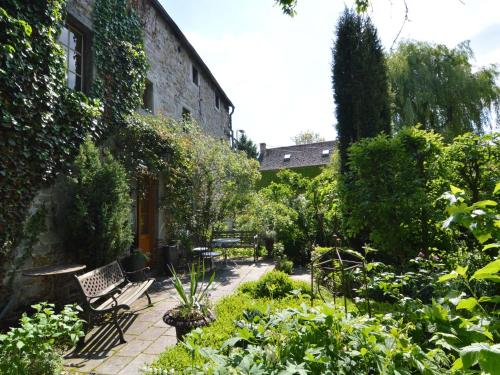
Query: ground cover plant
[(36, 346), (183, 358)]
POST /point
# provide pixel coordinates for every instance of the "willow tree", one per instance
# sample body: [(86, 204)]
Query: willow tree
[(438, 88), (359, 82)]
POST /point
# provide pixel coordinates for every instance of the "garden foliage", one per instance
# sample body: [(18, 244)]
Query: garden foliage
[(360, 82), (36, 346), (438, 88), (97, 225), (42, 122)]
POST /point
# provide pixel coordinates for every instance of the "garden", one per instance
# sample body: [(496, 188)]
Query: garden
[(409, 200)]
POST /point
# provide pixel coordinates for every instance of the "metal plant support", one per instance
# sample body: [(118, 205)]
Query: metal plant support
[(330, 269)]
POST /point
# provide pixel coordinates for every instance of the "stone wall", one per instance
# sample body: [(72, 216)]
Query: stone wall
[(170, 71), (173, 89)]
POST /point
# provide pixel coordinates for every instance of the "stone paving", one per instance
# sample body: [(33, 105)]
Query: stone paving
[(146, 334)]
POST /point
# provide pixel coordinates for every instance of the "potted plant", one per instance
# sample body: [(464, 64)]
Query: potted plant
[(137, 260), (193, 310)]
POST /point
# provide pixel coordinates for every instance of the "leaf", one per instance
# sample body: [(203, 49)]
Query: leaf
[(484, 204), (491, 269), (455, 190), (497, 188), (462, 271), (494, 299), (448, 276), (491, 246), (19, 344), (467, 304)]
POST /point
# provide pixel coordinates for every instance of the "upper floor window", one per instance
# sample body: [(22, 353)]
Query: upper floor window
[(72, 42), (186, 114), (196, 78), (148, 97), (217, 101)]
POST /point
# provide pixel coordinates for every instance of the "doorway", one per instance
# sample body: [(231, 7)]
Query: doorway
[(146, 216)]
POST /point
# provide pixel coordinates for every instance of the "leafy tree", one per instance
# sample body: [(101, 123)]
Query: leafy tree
[(436, 87), (323, 209), (97, 220), (473, 162), (389, 199), (245, 144), (288, 6), (359, 82), (307, 137), (218, 184)]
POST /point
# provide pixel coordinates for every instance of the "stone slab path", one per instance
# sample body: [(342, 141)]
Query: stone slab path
[(146, 334)]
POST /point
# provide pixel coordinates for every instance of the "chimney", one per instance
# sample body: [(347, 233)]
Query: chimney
[(262, 149)]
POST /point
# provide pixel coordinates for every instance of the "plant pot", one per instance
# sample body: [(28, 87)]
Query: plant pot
[(185, 325)]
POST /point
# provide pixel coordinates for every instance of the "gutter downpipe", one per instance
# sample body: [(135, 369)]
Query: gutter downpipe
[(231, 133)]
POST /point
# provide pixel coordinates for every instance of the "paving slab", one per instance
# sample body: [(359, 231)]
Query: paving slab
[(146, 334)]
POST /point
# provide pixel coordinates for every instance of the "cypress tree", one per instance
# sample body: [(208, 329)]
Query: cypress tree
[(359, 82)]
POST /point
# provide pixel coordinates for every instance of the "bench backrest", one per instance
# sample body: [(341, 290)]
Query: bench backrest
[(247, 238), (101, 280)]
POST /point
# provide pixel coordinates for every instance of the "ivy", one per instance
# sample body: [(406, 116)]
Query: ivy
[(120, 59), (42, 122)]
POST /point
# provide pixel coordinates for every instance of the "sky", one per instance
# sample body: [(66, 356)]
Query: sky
[(277, 70)]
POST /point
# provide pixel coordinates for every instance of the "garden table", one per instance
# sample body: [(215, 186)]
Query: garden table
[(52, 272), (224, 243)]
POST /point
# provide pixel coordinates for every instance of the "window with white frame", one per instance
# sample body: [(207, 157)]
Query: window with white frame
[(71, 41)]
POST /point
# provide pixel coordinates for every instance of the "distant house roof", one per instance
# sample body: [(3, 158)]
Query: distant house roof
[(312, 154), (190, 49)]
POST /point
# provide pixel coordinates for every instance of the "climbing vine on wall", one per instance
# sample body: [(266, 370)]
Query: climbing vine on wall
[(120, 60), (42, 122)]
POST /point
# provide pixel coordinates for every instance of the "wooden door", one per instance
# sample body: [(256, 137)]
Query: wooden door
[(146, 216)]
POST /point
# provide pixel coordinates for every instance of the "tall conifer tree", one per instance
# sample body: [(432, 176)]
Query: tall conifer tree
[(359, 82)]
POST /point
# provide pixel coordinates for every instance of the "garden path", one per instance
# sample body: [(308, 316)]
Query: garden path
[(146, 334)]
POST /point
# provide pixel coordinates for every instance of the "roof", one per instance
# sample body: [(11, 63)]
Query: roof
[(190, 49), (296, 156)]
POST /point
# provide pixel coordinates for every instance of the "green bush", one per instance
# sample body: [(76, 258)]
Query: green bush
[(35, 347), (97, 222), (228, 310), (321, 340), (284, 265), (275, 284)]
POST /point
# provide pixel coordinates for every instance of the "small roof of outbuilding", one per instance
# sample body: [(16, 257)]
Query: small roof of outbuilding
[(296, 156)]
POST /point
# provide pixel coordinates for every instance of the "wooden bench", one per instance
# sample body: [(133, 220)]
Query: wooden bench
[(247, 239), (107, 290)]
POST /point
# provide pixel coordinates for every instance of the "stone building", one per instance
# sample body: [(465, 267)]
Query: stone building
[(178, 84), (306, 159)]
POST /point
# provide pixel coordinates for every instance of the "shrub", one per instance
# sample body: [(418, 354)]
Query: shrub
[(228, 310), (97, 224), (275, 284), (284, 265), (35, 347)]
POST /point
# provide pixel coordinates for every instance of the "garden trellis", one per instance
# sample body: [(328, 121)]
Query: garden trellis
[(330, 270)]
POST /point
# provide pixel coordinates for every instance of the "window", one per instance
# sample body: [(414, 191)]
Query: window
[(325, 152), (196, 80), (287, 157), (148, 98), (186, 114), (72, 42), (217, 101)]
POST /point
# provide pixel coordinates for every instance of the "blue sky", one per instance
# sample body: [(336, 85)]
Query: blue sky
[(276, 69)]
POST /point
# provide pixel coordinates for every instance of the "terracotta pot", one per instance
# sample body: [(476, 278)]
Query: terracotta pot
[(184, 326)]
